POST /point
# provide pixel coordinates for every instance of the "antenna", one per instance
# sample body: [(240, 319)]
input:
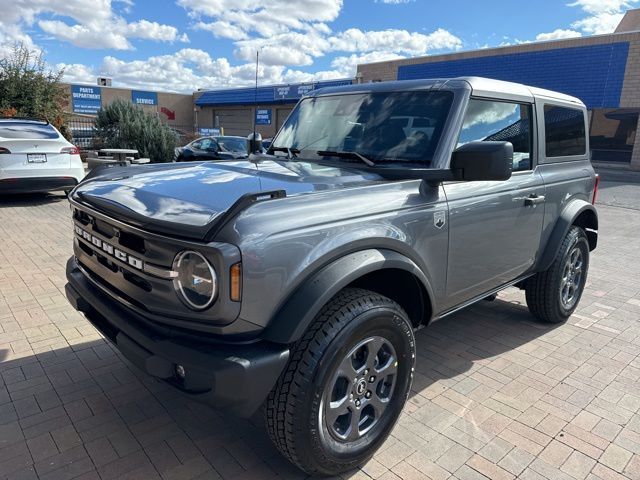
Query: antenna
[(255, 101)]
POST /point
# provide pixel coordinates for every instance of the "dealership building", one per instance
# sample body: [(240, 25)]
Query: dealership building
[(603, 71), (234, 109)]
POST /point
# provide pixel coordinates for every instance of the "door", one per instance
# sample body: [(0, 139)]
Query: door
[(494, 226), (234, 121)]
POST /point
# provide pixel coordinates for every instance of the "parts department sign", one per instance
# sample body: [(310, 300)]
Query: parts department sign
[(86, 99), (144, 98)]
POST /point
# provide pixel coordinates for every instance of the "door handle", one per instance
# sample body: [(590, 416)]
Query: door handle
[(533, 199)]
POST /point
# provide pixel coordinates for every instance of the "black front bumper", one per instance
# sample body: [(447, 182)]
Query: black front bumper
[(235, 377)]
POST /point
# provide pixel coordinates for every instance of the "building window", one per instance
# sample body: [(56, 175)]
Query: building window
[(564, 131), (493, 120)]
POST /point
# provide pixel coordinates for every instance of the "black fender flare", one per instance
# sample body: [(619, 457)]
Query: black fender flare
[(579, 212), (299, 310)]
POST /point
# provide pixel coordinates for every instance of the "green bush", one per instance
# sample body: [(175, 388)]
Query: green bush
[(121, 124), (29, 89)]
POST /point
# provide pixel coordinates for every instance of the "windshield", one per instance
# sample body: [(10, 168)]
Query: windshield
[(231, 144), (381, 126), (27, 130)]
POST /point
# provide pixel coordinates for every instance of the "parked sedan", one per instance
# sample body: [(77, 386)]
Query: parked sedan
[(213, 148), (35, 157)]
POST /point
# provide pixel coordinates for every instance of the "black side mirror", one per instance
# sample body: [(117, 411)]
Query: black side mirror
[(254, 143), (483, 161)]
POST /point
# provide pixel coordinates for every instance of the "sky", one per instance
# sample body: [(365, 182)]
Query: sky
[(186, 45)]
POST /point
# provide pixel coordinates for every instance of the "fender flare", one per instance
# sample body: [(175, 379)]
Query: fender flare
[(567, 218), (299, 310)]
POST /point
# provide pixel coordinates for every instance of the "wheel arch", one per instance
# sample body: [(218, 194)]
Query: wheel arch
[(579, 213), (403, 283)]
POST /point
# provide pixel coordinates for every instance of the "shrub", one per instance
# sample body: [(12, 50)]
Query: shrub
[(29, 89), (121, 124)]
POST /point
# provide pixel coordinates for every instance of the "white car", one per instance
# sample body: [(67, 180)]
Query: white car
[(35, 157)]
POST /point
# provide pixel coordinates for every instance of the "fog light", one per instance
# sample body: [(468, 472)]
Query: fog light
[(180, 372)]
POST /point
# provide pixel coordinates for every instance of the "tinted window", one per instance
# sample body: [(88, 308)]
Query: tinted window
[(232, 144), (27, 130), (377, 125), (564, 131), (208, 144), (490, 120)]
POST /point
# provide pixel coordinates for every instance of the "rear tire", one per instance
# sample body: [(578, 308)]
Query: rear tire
[(553, 295), (345, 385)]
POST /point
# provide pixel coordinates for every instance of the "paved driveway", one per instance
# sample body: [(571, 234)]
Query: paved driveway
[(495, 394)]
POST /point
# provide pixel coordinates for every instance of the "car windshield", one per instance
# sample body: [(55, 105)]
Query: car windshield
[(233, 144), (27, 130), (381, 126)]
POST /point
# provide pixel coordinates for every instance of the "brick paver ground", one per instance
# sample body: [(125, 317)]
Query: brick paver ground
[(495, 394)]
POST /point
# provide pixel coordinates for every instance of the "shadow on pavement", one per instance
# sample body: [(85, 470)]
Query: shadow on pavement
[(30, 199), (129, 415)]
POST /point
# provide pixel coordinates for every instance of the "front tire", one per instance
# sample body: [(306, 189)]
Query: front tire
[(345, 385), (553, 295)]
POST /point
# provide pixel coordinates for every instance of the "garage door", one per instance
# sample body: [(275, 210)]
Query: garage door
[(234, 122), (281, 116)]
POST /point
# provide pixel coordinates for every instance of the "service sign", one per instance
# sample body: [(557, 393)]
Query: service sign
[(144, 98), (263, 116), (292, 92), (86, 99)]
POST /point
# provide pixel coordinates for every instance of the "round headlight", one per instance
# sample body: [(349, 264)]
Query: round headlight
[(196, 283)]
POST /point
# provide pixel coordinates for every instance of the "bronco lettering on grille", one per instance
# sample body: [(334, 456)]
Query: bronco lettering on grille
[(109, 249)]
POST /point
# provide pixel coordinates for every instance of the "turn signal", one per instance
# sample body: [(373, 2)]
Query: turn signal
[(595, 190), (235, 275)]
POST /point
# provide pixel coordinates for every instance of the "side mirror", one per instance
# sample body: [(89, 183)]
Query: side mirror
[(483, 161), (254, 144)]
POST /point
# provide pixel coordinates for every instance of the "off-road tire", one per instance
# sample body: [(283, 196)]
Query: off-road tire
[(543, 290), (292, 410)]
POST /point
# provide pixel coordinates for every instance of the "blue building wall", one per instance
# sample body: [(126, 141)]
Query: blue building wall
[(264, 95), (594, 74)]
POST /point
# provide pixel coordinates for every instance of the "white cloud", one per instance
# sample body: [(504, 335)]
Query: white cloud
[(86, 24), (598, 24), (411, 43), (603, 15), (557, 35), (596, 7)]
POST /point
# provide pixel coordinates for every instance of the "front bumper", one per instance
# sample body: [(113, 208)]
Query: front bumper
[(236, 377)]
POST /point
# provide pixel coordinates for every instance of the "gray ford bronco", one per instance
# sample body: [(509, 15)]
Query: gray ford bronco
[(294, 280)]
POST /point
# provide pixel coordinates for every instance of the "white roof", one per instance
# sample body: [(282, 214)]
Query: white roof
[(497, 88)]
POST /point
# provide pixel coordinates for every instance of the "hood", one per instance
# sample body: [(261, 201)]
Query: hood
[(185, 199)]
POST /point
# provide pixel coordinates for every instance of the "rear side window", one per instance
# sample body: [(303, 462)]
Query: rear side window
[(564, 131), (27, 130), (496, 121)]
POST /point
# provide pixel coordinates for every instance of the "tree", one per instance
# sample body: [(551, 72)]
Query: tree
[(124, 125), (28, 88)]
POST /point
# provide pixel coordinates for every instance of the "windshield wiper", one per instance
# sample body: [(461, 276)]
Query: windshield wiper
[(346, 154), (291, 152)]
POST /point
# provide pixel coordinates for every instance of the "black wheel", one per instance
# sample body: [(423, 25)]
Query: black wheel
[(553, 295), (345, 385)]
